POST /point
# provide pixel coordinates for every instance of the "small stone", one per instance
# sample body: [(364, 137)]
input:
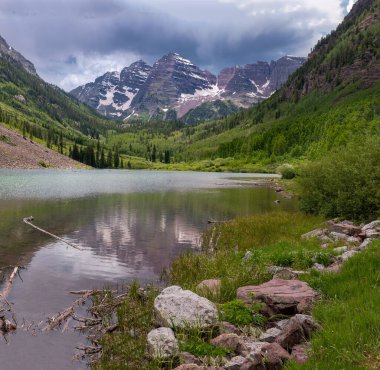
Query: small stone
[(340, 249), (281, 324), (211, 286), (365, 244), (229, 341), (299, 354), (314, 234), (274, 356), (279, 272), (347, 255), (250, 347), (324, 246), (354, 240), (227, 328), (338, 236), (190, 367), (248, 255), (20, 98), (235, 363), (270, 335), (372, 233), (162, 343), (188, 358), (318, 267)]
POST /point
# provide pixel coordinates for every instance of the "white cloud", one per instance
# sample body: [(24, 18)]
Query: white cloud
[(87, 67), (350, 5)]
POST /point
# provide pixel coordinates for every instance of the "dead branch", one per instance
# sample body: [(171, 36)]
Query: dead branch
[(7, 286), (58, 319), (28, 221)]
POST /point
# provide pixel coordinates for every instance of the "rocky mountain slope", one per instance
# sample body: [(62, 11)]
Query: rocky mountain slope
[(174, 86)]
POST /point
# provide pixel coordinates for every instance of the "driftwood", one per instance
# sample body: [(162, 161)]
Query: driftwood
[(28, 221), (7, 286), (216, 222), (68, 312)]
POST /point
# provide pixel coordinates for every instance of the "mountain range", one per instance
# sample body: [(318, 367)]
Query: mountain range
[(174, 86)]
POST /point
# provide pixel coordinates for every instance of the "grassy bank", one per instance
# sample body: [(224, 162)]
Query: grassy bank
[(348, 311)]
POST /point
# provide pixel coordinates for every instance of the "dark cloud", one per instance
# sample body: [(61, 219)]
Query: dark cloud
[(71, 41)]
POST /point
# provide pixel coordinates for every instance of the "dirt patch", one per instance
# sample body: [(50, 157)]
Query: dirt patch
[(17, 152)]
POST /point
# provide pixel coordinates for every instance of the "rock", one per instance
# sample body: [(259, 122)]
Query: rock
[(162, 343), (175, 307), (235, 363), (282, 273), (347, 228), (338, 236), (340, 249), (281, 324), (299, 354), (375, 225), (354, 240), (324, 246), (347, 255), (280, 296), (20, 98), (270, 335), (211, 286), (229, 341), (227, 328), (326, 240), (318, 267), (335, 267), (248, 255), (248, 346), (297, 331), (314, 234), (274, 356), (188, 358), (190, 367), (372, 233), (365, 244)]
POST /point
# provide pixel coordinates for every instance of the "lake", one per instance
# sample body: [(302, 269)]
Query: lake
[(129, 224)]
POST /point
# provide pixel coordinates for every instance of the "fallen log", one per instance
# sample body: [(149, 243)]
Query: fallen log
[(28, 221), (7, 286)]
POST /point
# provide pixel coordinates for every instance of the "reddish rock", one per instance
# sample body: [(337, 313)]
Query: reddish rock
[(190, 367), (299, 354), (230, 341), (211, 286), (227, 328), (274, 356), (280, 296)]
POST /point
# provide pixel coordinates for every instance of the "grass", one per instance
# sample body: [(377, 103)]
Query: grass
[(348, 312)]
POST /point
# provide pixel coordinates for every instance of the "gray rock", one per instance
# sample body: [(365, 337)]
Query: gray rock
[(338, 236), (284, 273), (210, 286), (189, 358), (176, 307), (372, 233), (354, 240), (372, 225), (235, 363), (248, 255), (249, 347), (365, 244), (20, 98), (162, 343), (340, 249), (318, 267), (270, 335), (281, 324), (314, 234), (347, 255)]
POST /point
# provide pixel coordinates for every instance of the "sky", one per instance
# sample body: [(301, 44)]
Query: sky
[(72, 42)]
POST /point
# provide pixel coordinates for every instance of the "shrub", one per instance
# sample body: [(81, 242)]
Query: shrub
[(239, 313), (345, 184), (287, 171)]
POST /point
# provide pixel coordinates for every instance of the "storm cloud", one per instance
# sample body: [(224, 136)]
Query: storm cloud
[(73, 41)]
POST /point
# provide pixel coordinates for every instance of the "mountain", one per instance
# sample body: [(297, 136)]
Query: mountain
[(174, 86), (6, 50), (43, 113)]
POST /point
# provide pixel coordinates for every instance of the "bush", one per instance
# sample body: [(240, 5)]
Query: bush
[(345, 184), (287, 171), (239, 313)]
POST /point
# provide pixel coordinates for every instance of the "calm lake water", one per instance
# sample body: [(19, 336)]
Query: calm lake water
[(130, 225)]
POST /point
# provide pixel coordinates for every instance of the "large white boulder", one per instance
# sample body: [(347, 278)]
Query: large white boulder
[(162, 343), (178, 308)]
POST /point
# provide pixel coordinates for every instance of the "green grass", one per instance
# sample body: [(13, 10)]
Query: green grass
[(349, 314)]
